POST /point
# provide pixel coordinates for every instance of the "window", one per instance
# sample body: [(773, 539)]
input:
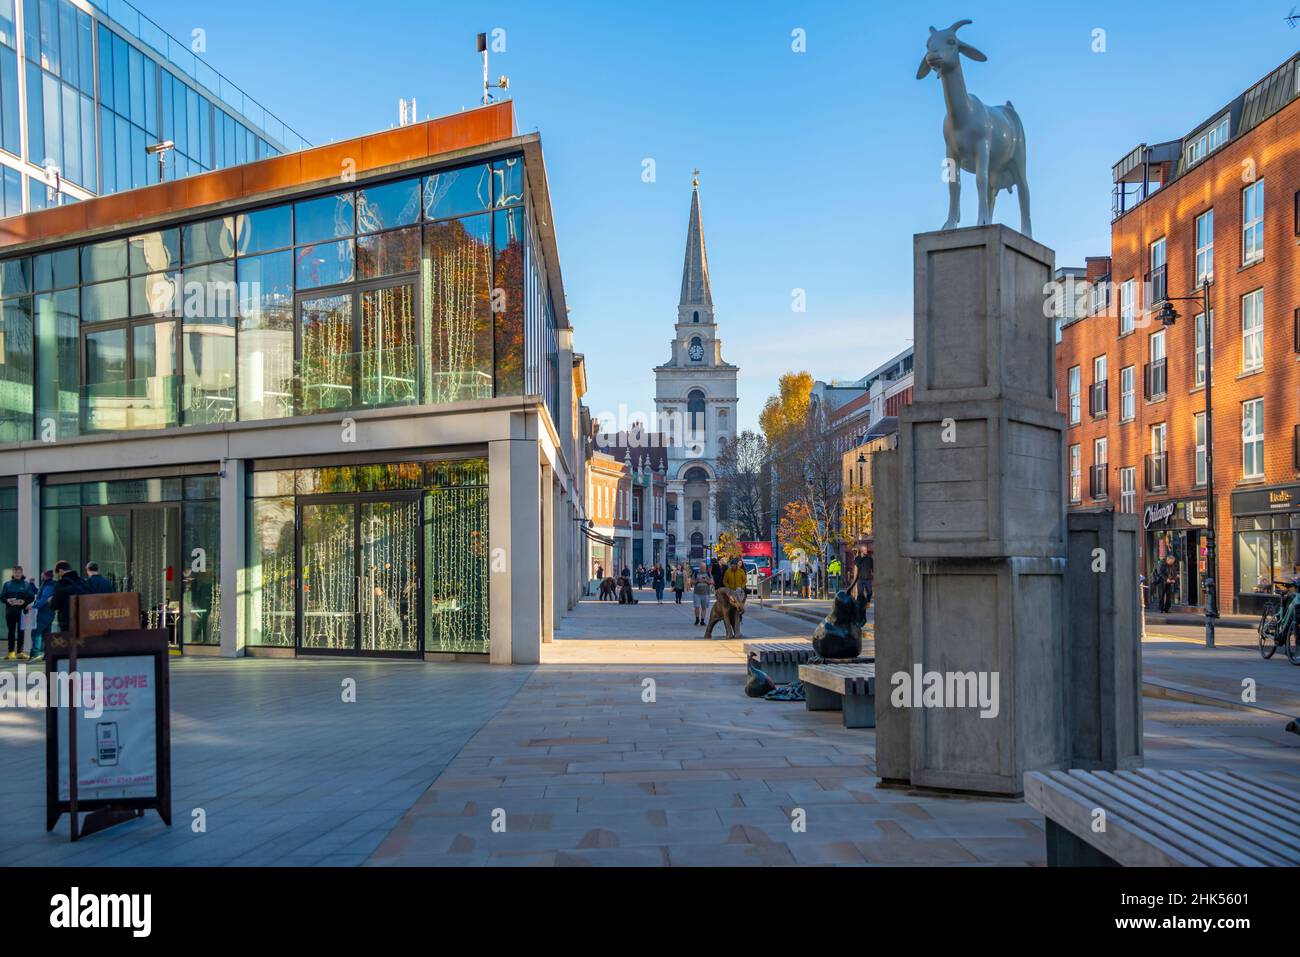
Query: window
[(1159, 287), (695, 411), (636, 509), (1128, 490), (1201, 339), (697, 512), (1252, 438), (1126, 307), (1097, 399), (1157, 460), (1252, 331), (1200, 448), (1074, 395), (1157, 380), (1075, 493), (1252, 223), (1209, 141), (1205, 247), (1100, 468), (1126, 397)]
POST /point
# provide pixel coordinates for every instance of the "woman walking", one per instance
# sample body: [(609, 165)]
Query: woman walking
[(657, 579), (679, 583), (701, 583)]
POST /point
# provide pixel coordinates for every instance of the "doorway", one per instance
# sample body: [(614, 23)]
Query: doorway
[(360, 574), (137, 548)]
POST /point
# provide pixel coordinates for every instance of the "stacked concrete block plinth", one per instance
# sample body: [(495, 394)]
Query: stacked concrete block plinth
[(1105, 642), (893, 622)]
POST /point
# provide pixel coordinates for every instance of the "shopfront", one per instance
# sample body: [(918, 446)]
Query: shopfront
[(1175, 528), (1265, 532)]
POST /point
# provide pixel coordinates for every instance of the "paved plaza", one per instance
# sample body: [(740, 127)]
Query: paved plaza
[(631, 744)]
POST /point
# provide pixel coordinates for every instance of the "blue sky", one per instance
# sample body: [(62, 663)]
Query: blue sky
[(817, 167)]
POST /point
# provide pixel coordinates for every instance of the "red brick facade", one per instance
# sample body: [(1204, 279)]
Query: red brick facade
[(1270, 152)]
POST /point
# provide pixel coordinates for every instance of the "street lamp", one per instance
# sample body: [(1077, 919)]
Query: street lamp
[(1167, 317)]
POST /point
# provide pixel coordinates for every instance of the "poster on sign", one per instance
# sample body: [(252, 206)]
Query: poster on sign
[(117, 731)]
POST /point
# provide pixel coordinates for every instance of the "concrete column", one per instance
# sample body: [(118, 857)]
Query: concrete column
[(547, 568), (893, 624), (682, 546), (234, 529), (29, 526), (564, 373), (515, 540), (713, 513)]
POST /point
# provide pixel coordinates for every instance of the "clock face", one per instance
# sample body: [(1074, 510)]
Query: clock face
[(697, 352)]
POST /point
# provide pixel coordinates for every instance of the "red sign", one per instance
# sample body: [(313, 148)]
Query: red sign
[(761, 553)]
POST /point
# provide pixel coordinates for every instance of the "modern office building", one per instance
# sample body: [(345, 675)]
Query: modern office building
[(324, 403), (87, 85), (1220, 208)]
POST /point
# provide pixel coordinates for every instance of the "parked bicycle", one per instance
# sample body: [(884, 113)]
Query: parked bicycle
[(1278, 625)]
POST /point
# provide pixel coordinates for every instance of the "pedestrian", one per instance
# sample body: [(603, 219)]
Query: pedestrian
[(835, 569), (1169, 583), (67, 583), (600, 572), (701, 585), (864, 573), (17, 593), (679, 583), (96, 584), (718, 572), (44, 614), (658, 580)]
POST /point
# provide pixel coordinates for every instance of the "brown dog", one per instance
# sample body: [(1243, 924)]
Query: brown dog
[(728, 609)]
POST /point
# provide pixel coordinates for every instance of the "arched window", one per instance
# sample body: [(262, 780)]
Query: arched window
[(696, 474), (697, 545), (695, 410), (696, 511), (696, 316)]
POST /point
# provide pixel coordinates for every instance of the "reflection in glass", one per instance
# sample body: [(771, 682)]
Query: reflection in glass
[(328, 570), (329, 217), (56, 270), (16, 370), (457, 191), (508, 332), (205, 242), (508, 181), (155, 538), (107, 535), (208, 344), (388, 253), (15, 277), (104, 261), (326, 264), (201, 595), (155, 252), (389, 205), (104, 302), (265, 229), (58, 390), (456, 569), (266, 336), (155, 294), (390, 579), (389, 359), (326, 362), (271, 574), (457, 270), (60, 534)]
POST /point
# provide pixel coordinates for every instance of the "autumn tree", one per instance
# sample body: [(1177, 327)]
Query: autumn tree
[(742, 484)]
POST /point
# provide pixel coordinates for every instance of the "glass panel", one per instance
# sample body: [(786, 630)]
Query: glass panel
[(271, 575), (155, 538), (58, 392), (104, 261), (1253, 556), (201, 581), (155, 252), (329, 576), (383, 207), (266, 336), (57, 270), (106, 544), (154, 350), (396, 475), (265, 230), (329, 217), (202, 486), (61, 536), (456, 569), (508, 181), (390, 591), (105, 301), (328, 480), (326, 264), (326, 365), (208, 350), (457, 191), (272, 483), (508, 309), (15, 277), (157, 294), (457, 268), (389, 359), (16, 370), (204, 242), (388, 253)]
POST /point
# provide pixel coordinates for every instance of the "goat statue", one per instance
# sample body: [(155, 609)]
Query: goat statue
[(988, 141)]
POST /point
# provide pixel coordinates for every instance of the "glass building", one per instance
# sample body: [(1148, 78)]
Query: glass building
[(333, 417), (87, 85)]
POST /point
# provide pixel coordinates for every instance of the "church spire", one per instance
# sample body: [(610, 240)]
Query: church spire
[(695, 269)]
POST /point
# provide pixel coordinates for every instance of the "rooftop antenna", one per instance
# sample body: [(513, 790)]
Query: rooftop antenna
[(502, 83), (1292, 18), (406, 114)]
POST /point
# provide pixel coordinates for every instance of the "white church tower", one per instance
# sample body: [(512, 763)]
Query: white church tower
[(695, 400)]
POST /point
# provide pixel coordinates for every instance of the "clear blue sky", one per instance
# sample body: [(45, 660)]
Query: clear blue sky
[(817, 168)]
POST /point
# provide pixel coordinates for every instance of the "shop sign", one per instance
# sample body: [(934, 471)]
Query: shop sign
[(1158, 514), (1284, 499), (1196, 512)]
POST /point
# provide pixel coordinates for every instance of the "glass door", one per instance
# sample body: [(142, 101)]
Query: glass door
[(328, 577), (155, 544), (326, 354), (108, 542), (390, 575)]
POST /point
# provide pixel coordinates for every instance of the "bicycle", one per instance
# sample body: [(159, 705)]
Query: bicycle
[(1278, 626)]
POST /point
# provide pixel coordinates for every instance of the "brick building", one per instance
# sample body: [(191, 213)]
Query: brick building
[(1220, 206)]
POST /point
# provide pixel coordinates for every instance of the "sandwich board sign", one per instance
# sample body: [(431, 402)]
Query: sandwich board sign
[(108, 736)]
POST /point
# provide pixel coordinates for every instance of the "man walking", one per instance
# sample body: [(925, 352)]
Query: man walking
[(17, 593), (96, 584), (66, 584)]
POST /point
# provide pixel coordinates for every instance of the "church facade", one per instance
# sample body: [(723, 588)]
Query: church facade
[(695, 405)]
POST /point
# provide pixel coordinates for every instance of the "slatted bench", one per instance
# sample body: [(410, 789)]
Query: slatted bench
[(780, 660), (1163, 819), (849, 687)]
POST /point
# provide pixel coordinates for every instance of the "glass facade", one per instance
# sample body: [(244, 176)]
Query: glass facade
[(422, 290), (388, 558), (98, 87)]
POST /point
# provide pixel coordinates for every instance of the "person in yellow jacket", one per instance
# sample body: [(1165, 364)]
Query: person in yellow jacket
[(734, 578)]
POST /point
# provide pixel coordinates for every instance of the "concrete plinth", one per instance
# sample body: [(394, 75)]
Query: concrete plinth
[(995, 626), (1105, 689), (893, 623)]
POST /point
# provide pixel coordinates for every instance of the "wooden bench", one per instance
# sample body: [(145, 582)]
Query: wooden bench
[(779, 660), (1163, 819), (849, 687)]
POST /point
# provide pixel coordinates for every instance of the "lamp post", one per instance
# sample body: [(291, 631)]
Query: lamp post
[(1168, 316)]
